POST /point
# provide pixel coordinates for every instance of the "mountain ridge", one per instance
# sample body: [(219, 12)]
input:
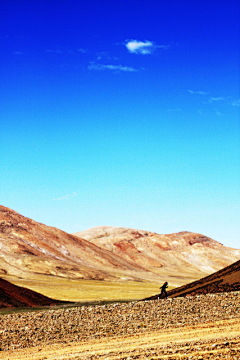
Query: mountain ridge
[(169, 254), (29, 249)]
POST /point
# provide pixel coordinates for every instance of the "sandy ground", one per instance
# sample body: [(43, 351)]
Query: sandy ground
[(197, 328), (220, 340)]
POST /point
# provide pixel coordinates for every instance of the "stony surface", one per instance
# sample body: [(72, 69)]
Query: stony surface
[(85, 324)]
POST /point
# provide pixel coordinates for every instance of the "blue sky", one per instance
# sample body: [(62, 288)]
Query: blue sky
[(122, 113)]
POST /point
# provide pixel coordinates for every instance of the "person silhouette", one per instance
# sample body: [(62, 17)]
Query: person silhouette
[(163, 290)]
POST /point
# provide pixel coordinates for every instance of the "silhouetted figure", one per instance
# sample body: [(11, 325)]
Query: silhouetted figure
[(163, 290)]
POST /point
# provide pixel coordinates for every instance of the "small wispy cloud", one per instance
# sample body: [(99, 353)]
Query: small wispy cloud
[(218, 113), (220, 98), (105, 55), (66, 197), (94, 66), (143, 47), (236, 103), (198, 92), (82, 51)]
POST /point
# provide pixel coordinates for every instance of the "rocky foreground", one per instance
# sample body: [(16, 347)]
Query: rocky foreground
[(119, 320)]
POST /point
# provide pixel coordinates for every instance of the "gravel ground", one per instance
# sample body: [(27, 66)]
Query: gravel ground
[(45, 327)]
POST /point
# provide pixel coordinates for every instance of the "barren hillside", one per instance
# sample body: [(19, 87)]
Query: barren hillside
[(224, 280), (177, 257), (28, 247), (15, 296)]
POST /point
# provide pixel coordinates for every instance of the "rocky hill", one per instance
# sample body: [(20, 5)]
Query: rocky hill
[(177, 258)]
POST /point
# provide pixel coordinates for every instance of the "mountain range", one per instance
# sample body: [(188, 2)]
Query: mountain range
[(178, 257), (29, 248)]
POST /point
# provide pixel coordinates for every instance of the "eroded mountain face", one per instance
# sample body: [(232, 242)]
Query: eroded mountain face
[(29, 248), (186, 254)]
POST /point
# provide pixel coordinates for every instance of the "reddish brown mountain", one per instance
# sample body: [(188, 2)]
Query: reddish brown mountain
[(15, 296), (178, 258), (28, 248), (224, 280)]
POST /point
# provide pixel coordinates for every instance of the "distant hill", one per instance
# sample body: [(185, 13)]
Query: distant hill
[(29, 250), (224, 280), (178, 258), (12, 296)]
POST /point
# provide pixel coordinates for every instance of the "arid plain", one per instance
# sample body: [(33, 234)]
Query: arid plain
[(198, 327)]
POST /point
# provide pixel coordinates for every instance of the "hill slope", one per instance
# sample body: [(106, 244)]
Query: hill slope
[(15, 296), (178, 258), (224, 280), (28, 247)]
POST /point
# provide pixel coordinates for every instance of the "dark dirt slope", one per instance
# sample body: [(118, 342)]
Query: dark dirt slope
[(224, 280), (14, 296)]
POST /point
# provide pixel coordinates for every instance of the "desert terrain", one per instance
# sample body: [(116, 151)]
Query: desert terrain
[(124, 267), (194, 327)]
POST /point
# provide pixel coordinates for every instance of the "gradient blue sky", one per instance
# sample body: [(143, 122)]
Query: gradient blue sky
[(122, 113)]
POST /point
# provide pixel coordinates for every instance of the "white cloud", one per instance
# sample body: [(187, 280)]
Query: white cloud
[(140, 47), (94, 66), (198, 92), (66, 197), (143, 47)]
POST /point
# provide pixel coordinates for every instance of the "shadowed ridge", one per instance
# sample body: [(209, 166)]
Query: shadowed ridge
[(12, 296), (224, 280)]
